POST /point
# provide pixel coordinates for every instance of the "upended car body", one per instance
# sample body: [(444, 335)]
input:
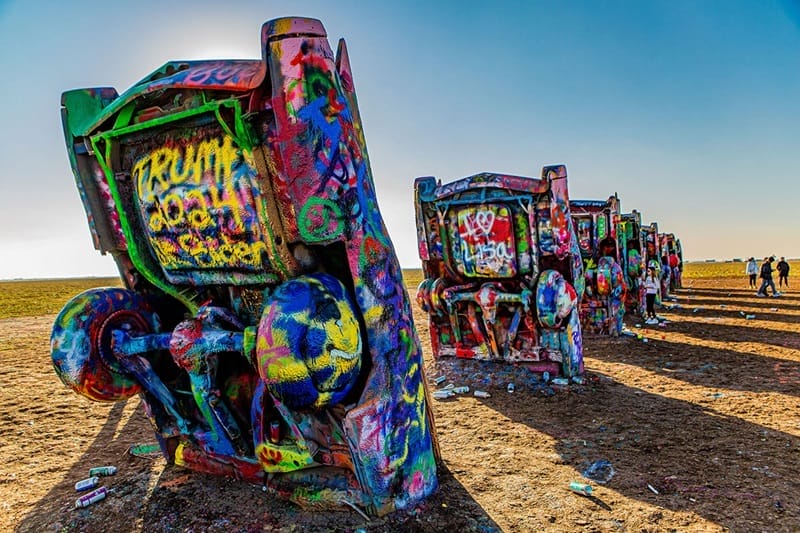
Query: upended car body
[(502, 270), (596, 226), (630, 240), (652, 245), (264, 322), (671, 246)]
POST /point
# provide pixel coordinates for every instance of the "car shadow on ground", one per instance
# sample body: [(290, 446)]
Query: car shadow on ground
[(720, 467), (57, 506)]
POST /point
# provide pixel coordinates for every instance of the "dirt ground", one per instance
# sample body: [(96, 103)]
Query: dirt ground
[(701, 426)]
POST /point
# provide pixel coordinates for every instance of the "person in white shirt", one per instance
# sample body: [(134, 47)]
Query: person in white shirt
[(651, 286), (752, 271)]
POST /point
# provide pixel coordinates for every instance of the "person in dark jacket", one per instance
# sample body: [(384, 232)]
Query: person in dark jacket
[(766, 278), (783, 272)]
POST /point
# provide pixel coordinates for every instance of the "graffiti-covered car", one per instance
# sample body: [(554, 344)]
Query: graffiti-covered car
[(630, 241), (652, 245), (596, 226), (263, 320), (502, 271), (671, 249)]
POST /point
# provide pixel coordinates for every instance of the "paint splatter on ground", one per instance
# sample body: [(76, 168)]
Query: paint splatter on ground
[(701, 425)]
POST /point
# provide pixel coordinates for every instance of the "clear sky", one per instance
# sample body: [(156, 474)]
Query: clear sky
[(689, 110)]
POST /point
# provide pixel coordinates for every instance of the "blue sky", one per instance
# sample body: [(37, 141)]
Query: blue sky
[(689, 110)]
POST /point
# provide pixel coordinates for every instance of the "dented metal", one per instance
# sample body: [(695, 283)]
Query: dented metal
[(264, 322)]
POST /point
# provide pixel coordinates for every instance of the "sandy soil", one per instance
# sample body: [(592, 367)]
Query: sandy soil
[(701, 426)]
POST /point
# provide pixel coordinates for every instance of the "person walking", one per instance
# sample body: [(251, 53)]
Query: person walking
[(651, 286), (752, 271), (783, 272), (766, 278)]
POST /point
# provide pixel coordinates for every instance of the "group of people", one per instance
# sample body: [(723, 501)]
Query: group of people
[(765, 273)]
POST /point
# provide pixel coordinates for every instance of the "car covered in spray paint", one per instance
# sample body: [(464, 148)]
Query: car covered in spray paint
[(652, 246), (596, 226), (672, 249), (263, 320), (502, 270), (630, 241)]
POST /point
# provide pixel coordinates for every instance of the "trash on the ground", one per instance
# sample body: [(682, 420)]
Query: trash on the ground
[(143, 450), (442, 394), (560, 381), (460, 390), (749, 317), (652, 488), (627, 333), (723, 306), (449, 386), (481, 394), (600, 471), (718, 395), (697, 309), (88, 483), (439, 380), (773, 309), (645, 340), (637, 325), (578, 380), (545, 376), (91, 497), (102, 471), (580, 488), (511, 387), (741, 313)]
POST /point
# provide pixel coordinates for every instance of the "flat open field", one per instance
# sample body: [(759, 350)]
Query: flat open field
[(701, 426)]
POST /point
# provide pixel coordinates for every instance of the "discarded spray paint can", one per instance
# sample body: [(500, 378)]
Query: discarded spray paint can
[(481, 394), (91, 497), (88, 483), (460, 390), (545, 376), (578, 380), (749, 317), (580, 488), (103, 471), (562, 382), (439, 380), (274, 432), (442, 394), (511, 387), (143, 450)]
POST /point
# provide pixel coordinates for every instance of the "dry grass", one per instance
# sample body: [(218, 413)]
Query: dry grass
[(44, 297)]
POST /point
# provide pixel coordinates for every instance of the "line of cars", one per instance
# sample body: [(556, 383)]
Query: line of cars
[(263, 320), (515, 271)]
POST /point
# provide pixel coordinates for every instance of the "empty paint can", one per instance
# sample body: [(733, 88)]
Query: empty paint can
[(103, 471), (88, 483), (511, 387), (440, 380), (545, 376), (481, 394), (460, 390), (580, 488), (92, 497)]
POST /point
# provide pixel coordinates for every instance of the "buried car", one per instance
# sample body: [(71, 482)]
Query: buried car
[(630, 240), (502, 271), (597, 225), (263, 320)]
